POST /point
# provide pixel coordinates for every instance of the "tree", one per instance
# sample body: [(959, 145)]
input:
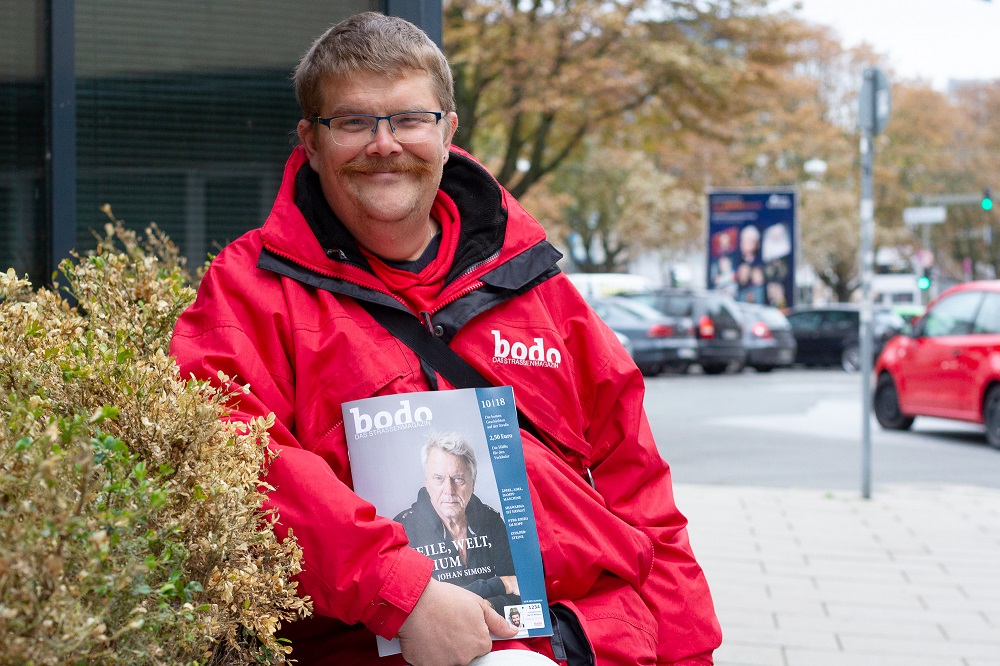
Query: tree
[(942, 144), (535, 79), (974, 233), (805, 114), (611, 204)]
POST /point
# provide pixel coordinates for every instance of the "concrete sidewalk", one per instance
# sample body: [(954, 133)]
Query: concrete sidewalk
[(826, 578)]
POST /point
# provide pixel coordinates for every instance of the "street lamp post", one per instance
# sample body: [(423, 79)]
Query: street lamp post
[(873, 113)]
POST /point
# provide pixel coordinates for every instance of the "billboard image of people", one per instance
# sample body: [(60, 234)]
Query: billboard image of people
[(751, 245)]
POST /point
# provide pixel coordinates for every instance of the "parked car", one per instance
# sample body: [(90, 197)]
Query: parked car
[(656, 341), (600, 285), (831, 334), (767, 337), (948, 366), (716, 319)]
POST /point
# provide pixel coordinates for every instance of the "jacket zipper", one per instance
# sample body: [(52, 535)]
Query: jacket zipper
[(426, 315)]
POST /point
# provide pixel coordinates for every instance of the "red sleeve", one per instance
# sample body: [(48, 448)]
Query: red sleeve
[(357, 566), (635, 482)]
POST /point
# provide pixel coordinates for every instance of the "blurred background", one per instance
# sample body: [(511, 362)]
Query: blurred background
[(612, 122)]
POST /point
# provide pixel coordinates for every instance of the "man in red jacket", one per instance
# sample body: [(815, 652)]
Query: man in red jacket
[(376, 206)]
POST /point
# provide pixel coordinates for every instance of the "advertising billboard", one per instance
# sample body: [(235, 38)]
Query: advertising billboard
[(752, 244)]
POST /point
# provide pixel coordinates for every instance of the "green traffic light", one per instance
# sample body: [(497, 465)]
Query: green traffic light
[(924, 282), (987, 204)]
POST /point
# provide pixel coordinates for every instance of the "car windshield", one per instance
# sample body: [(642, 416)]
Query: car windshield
[(772, 317), (638, 309), (677, 305)]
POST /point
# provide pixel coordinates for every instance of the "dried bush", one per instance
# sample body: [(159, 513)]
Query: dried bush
[(131, 527)]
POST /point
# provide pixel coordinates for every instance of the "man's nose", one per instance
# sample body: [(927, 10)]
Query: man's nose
[(384, 141)]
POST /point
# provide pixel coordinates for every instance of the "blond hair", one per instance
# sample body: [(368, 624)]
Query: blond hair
[(370, 42)]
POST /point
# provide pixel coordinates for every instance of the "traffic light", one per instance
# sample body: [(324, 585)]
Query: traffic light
[(924, 281), (987, 202)]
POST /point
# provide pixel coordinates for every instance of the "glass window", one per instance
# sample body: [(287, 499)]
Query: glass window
[(805, 321), (677, 305), (772, 317), (639, 311), (184, 117), (953, 315), (988, 318), (721, 312), (840, 320), (22, 136)]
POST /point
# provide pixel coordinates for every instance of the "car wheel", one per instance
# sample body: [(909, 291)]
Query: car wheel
[(886, 403), (991, 416), (763, 368), (650, 369), (850, 358), (713, 369)]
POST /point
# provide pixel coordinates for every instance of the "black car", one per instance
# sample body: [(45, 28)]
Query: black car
[(830, 334), (657, 342), (767, 337), (715, 318)]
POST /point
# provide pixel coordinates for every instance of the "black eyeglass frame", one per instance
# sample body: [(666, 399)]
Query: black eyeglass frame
[(438, 115)]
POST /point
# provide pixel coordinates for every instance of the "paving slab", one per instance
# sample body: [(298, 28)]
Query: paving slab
[(805, 577)]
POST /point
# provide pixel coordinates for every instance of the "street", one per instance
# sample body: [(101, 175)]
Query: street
[(803, 570), (802, 428)]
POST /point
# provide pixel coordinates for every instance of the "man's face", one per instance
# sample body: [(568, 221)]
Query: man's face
[(749, 243), (515, 618), (383, 182), (449, 483)]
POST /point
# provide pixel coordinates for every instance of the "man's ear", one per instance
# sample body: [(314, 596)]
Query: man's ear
[(306, 129), (451, 118)]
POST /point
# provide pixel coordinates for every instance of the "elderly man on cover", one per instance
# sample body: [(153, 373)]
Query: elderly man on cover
[(466, 539), (377, 206)]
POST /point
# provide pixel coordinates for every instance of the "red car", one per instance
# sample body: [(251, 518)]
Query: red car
[(948, 366)]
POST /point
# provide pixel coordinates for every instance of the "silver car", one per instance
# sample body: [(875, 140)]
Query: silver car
[(767, 337)]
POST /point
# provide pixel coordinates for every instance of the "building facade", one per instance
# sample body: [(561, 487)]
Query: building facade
[(180, 113)]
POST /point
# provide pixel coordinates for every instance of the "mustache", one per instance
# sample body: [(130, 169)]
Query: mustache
[(400, 164)]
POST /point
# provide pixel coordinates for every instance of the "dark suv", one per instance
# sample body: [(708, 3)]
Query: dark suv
[(716, 320)]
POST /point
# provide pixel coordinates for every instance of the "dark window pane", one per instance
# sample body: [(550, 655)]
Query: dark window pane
[(22, 137), (805, 321), (840, 320), (184, 117)]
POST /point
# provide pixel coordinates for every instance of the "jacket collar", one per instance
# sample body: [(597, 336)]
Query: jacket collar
[(303, 228)]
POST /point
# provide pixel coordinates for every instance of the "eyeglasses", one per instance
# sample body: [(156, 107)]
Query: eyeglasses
[(359, 129)]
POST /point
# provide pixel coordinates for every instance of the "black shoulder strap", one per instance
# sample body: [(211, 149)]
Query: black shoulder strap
[(433, 351), (430, 348)]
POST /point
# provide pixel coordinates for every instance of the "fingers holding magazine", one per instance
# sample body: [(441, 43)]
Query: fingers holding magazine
[(450, 625)]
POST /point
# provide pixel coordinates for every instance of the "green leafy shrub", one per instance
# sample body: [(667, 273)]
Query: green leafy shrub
[(131, 527)]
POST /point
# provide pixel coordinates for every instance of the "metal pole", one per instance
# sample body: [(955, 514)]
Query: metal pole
[(926, 233), (867, 261)]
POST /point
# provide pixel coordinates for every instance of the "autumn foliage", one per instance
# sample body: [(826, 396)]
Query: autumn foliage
[(131, 515)]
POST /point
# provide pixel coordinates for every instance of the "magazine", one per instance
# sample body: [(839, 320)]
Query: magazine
[(448, 466)]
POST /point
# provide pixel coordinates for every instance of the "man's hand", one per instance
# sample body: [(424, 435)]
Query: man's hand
[(450, 626)]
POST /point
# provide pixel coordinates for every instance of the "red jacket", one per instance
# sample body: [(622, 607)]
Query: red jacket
[(277, 310)]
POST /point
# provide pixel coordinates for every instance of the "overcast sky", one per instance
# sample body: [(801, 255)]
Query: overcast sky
[(934, 40)]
